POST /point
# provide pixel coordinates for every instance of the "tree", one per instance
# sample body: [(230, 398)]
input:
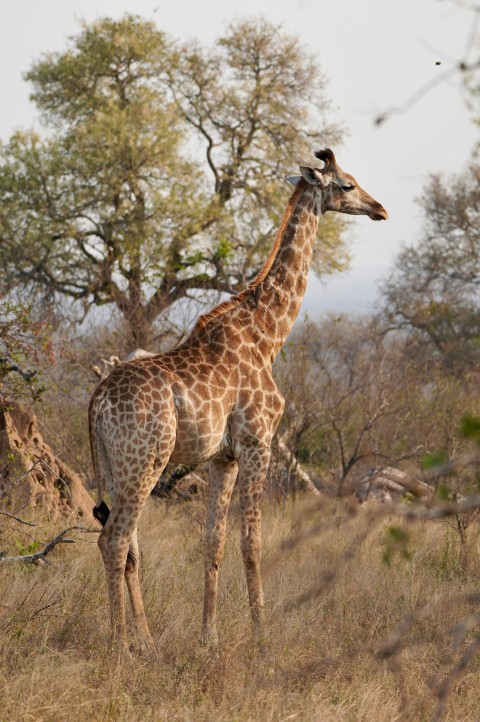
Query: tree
[(158, 174), (24, 347), (351, 398), (358, 399), (434, 288)]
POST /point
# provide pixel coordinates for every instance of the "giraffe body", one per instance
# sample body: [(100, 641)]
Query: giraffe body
[(213, 400)]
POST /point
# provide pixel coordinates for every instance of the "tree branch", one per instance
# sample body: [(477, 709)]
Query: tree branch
[(12, 516), (41, 556)]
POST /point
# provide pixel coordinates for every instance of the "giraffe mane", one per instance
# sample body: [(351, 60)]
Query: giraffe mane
[(236, 300)]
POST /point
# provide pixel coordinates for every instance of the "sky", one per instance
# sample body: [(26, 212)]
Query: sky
[(375, 54)]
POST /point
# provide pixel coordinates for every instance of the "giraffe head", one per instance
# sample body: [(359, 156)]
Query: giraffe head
[(339, 191)]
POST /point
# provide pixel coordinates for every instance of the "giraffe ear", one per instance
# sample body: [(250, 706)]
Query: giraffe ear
[(294, 180), (313, 176)]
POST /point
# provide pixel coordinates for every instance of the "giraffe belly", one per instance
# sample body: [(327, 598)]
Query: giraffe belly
[(201, 423), (195, 443)]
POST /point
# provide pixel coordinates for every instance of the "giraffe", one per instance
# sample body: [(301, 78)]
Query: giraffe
[(212, 399)]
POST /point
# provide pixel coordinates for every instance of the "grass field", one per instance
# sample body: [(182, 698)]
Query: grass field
[(337, 585)]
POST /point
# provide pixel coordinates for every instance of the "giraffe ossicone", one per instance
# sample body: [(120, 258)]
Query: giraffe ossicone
[(213, 399)]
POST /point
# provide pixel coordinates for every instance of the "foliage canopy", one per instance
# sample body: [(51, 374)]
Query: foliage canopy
[(158, 172), (434, 288)]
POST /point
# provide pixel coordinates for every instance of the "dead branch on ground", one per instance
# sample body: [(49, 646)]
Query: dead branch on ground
[(41, 556)]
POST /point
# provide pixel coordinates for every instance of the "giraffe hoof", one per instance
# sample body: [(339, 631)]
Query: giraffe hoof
[(148, 648)]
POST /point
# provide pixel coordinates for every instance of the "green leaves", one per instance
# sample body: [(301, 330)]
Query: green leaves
[(24, 347), (224, 250), (470, 427), (396, 543), (110, 63), (434, 460), (160, 169), (27, 549)]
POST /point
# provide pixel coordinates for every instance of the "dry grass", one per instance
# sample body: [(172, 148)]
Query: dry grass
[(331, 603)]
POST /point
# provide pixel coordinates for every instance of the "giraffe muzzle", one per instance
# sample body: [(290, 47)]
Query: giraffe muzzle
[(380, 214)]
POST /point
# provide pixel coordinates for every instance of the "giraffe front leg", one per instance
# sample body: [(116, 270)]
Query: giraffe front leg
[(222, 475), (253, 468)]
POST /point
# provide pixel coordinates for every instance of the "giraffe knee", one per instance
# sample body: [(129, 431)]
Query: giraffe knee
[(115, 552), (250, 552)]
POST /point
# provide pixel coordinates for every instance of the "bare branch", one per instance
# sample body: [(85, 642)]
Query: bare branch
[(420, 93), (41, 556), (12, 516), (461, 67)]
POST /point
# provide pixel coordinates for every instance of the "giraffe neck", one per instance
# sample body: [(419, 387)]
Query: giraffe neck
[(280, 294)]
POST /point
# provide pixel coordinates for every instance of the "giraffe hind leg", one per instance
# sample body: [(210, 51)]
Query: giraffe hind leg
[(119, 547), (101, 512), (129, 480), (117, 541), (132, 568), (113, 543), (222, 473)]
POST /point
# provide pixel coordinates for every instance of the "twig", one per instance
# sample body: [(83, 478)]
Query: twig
[(12, 516), (462, 66), (41, 555), (418, 94), (444, 689), (28, 471)]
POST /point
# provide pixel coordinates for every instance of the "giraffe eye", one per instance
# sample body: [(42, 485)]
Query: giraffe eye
[(348, 187)]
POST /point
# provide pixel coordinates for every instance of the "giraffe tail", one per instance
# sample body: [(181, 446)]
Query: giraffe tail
[(101, 511), (101, 467)]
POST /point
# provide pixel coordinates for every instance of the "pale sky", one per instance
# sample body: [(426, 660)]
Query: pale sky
[(375, 54)]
